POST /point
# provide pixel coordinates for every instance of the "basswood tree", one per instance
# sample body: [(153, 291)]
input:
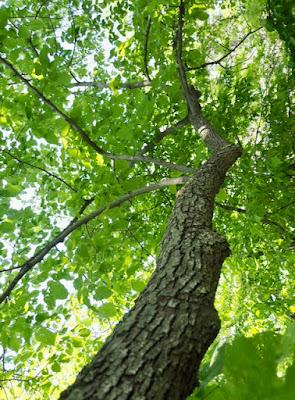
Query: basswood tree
[(120, 121)]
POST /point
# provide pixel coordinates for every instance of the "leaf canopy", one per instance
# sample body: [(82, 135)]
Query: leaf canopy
[(89, 59)]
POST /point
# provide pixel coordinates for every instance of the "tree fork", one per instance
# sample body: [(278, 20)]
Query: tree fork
[(155, 351)]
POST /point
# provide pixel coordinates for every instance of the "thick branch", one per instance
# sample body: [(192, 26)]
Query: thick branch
[(213, 141), (75, 224), (218, 61)]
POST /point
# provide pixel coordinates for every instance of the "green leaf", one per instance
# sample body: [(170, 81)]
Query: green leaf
[(4, 14), (10, 190), (107, 310), (77, 342), (84, 332), (102, 292), (137, 285), (199, 14), (7, 226), (269, 25), (222, 196), (57, 290), (56, 367), (45, 336), (14, 342), (78, 283)]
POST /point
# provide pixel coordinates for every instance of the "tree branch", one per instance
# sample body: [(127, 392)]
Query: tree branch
[(54, 108), (34, 16), (213, 141), (102, 85), (43, 3), (160, 135), (105, 85), (145, 51), (75, 224), (206, 64), (83, 134), (40, 169), (9, 269), (156, 161), (230, 208), (35, 51)]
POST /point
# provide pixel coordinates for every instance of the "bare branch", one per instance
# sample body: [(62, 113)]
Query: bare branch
[(127, 85), (156, 161), (104, 85), (206, 64), (145, 51), (40, 169), (75, 224)]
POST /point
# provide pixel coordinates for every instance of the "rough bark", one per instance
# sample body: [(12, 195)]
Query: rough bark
[(155, 351)]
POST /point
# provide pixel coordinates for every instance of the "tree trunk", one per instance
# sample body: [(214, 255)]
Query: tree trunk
[(154, 353)]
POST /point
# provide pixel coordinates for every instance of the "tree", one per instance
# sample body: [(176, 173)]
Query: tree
[(110, 114)]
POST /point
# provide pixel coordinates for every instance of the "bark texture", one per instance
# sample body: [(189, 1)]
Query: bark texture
[(155, 351)]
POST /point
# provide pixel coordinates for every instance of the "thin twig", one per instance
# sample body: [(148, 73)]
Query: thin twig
[(103, 85), (40, 8), (34, 16), (16, 379), (230, 208), (39, 168), (206, 64), (160, 135), (145, 51), (30, 41), (9, 269), (264, 220)]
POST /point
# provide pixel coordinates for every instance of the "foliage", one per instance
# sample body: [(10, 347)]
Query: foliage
[(281, 17), (84, 56), (259, 367)]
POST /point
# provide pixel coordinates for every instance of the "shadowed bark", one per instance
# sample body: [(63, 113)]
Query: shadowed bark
[(155, 351)]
